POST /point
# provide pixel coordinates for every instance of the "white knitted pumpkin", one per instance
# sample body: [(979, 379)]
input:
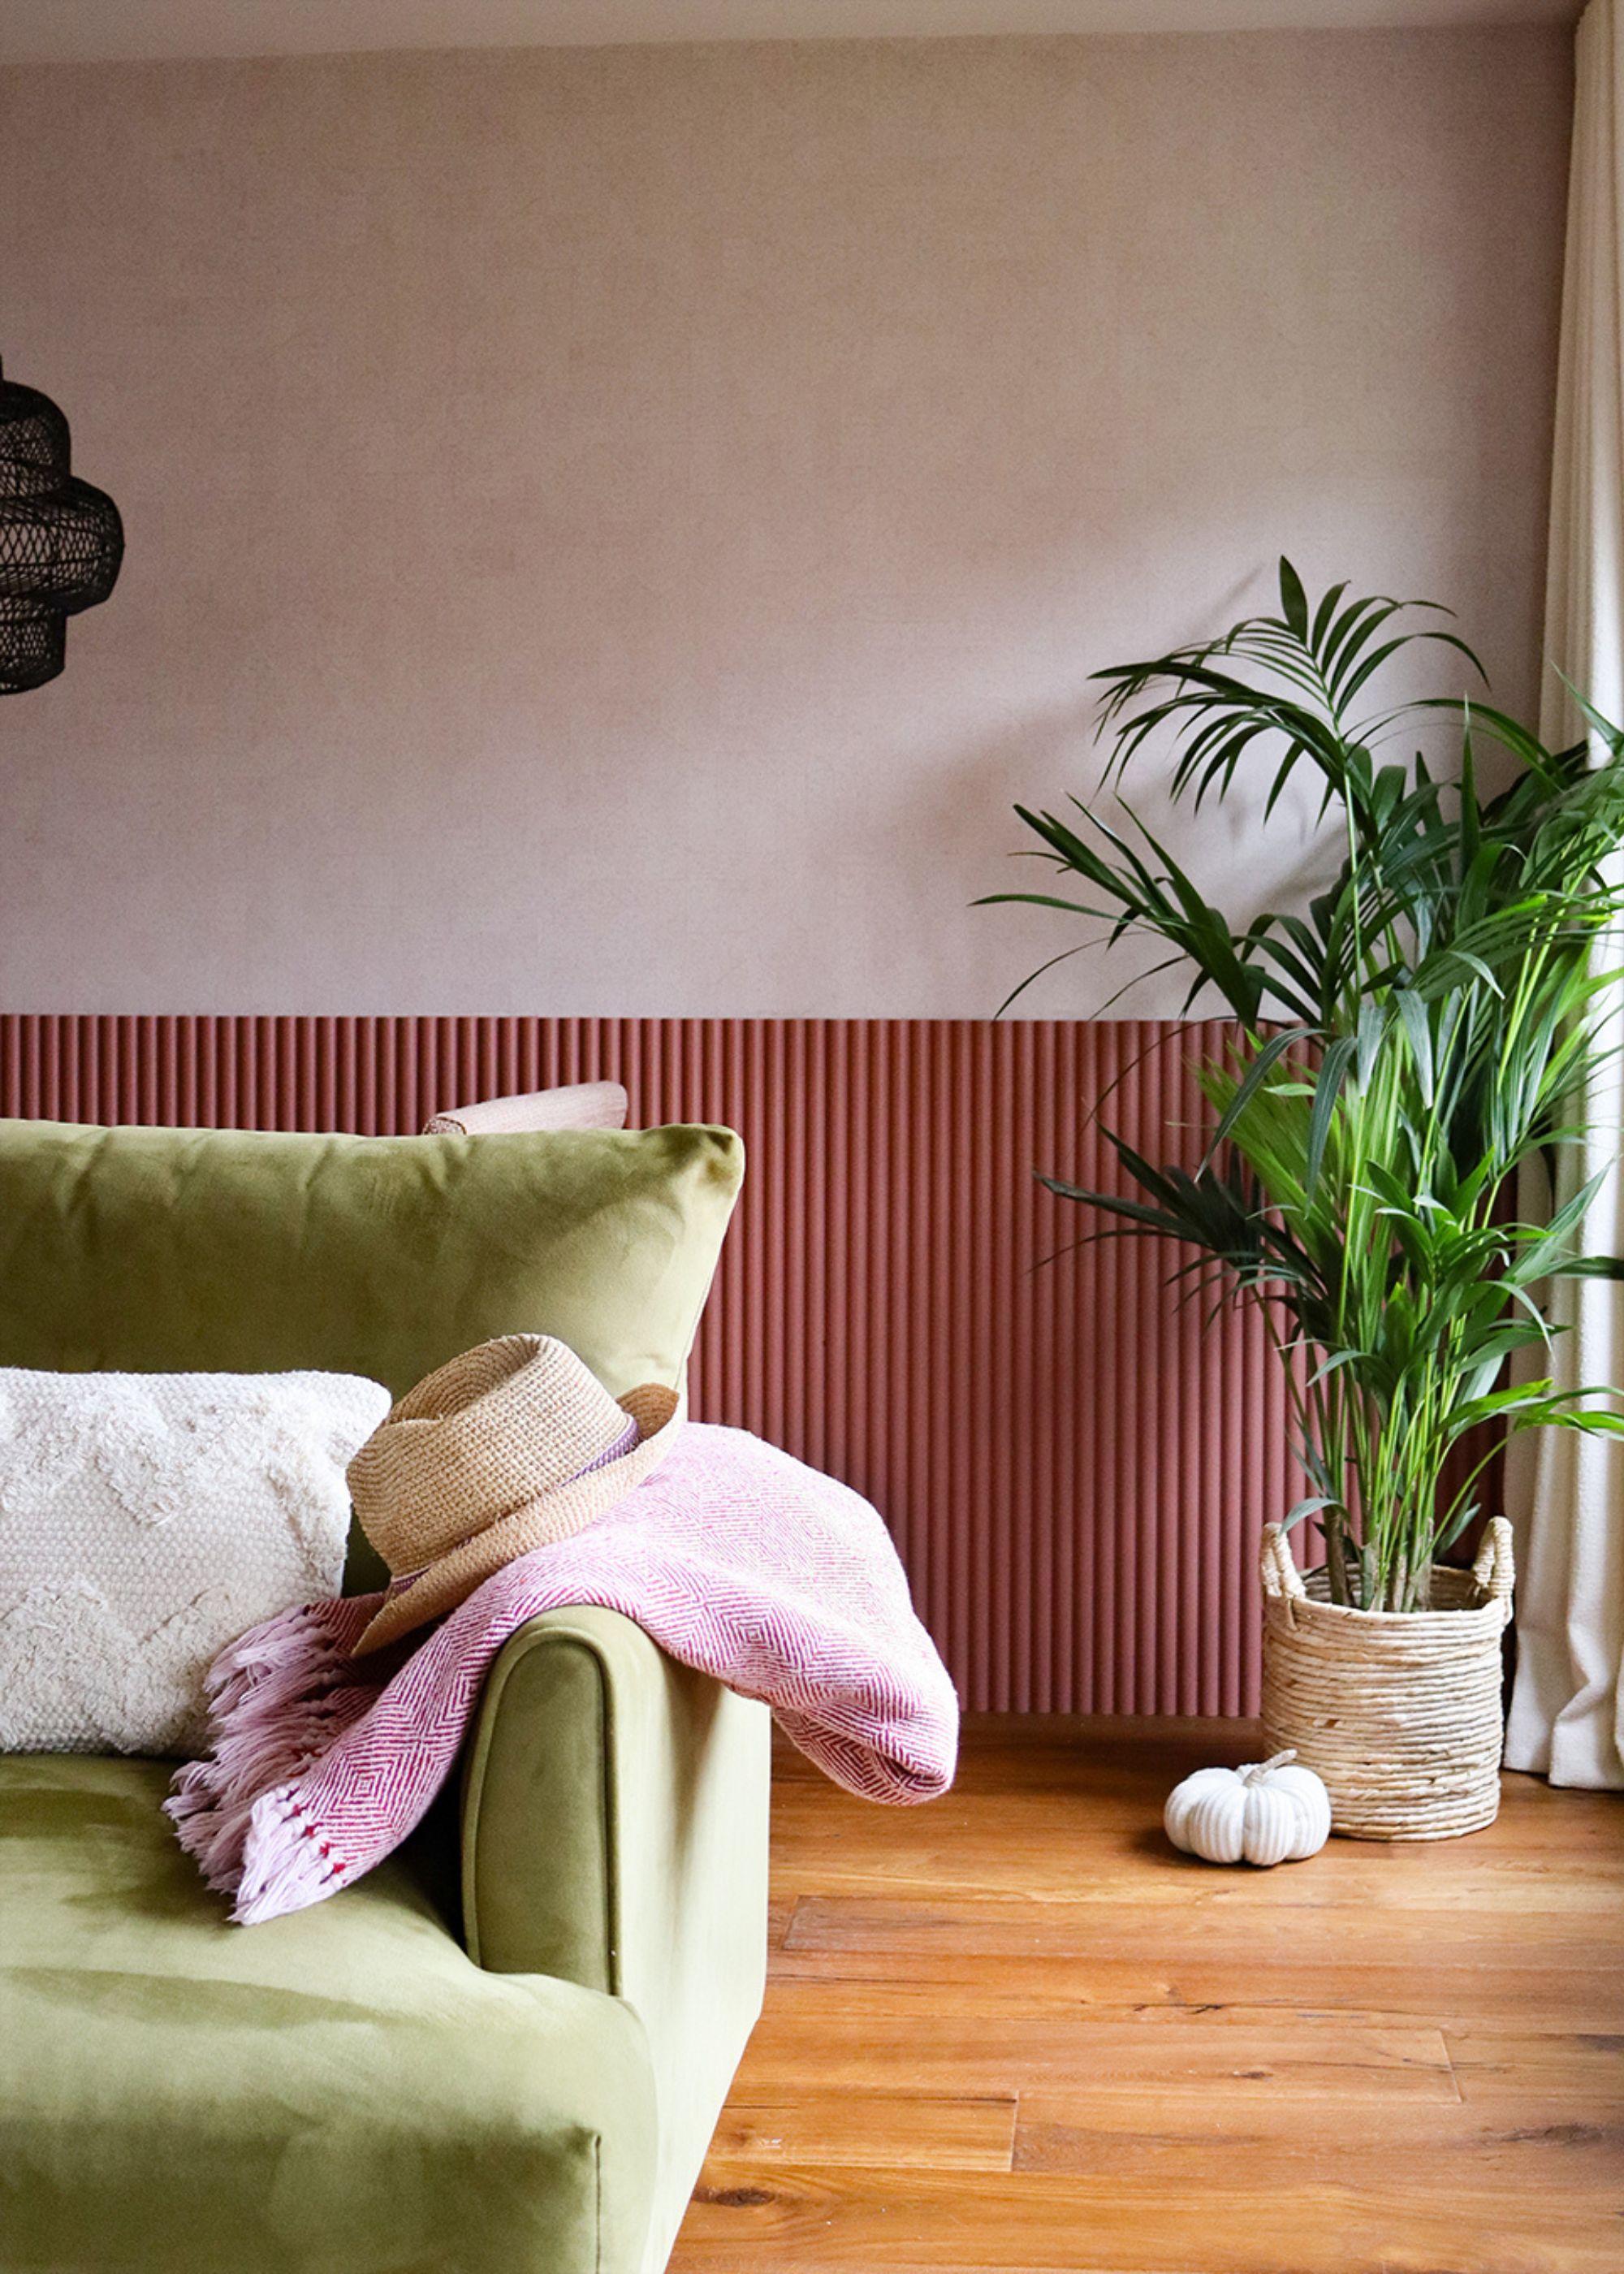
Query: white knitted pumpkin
[(1267, 1812)]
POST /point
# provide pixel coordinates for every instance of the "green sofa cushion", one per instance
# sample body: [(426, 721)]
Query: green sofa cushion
[(242, 1252), (341, 2091)]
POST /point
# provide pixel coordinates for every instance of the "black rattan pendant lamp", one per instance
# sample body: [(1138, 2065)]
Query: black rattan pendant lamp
[(61, 542)]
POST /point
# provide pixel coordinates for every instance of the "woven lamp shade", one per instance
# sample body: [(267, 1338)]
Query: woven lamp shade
[(61, 541)]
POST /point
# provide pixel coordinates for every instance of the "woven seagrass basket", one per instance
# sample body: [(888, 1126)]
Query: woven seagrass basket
[(1398, 1711)]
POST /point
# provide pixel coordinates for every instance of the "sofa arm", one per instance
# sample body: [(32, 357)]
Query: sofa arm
[(614, 1834)]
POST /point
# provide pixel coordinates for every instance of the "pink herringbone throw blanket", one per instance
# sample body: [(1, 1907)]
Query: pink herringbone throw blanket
[(735, 1558)]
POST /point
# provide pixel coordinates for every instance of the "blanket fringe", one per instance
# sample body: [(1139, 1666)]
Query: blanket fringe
[(279, 1870), (274, 1705)]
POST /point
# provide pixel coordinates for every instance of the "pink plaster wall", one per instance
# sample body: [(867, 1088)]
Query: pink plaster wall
[(612, 531)]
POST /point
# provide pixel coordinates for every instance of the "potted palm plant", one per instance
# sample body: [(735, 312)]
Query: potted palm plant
[(1402, 1052)]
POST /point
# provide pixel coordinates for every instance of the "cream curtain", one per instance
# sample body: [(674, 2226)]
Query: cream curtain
[(1567, 1705)]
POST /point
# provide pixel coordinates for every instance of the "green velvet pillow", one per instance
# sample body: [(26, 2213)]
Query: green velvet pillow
[(227, 1250)]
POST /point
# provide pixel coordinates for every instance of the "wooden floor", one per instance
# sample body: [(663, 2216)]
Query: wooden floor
[(1016, 2030)]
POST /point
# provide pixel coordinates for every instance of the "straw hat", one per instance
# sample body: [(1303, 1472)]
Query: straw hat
[(510, 1446)]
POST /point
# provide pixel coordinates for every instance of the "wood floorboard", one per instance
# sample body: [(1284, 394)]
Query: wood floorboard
[(949, 2133), (1408, 2147), (1014, 2033), (810, 2222), (900, 2044), (1376, 1989)]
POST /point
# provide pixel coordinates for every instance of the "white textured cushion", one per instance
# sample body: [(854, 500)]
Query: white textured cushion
[(145, 1520)]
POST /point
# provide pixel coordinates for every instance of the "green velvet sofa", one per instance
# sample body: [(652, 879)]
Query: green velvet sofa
[(506, 2048)]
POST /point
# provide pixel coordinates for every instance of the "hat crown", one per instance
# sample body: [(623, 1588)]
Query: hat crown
[(495, 1428)]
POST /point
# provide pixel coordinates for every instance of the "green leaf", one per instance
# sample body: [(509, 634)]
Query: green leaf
[(1293, 599), (1323, 614), (1036, 900), (1332, 1070), (1306, 1508), (1418, 1031)]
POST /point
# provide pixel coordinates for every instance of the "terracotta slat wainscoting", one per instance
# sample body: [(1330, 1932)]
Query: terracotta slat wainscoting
[(1074, 1470)]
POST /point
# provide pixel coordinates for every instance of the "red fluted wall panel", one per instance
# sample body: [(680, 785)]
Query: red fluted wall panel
[(1075, 1468)]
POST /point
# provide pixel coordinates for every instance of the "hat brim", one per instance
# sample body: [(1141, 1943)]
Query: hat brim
[(552, 1515)]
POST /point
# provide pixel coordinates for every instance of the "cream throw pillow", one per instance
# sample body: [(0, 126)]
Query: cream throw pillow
[(145, 1520)]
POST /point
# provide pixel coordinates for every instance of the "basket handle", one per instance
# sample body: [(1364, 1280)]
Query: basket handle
[(1280, 1575), (1495, 1568)]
